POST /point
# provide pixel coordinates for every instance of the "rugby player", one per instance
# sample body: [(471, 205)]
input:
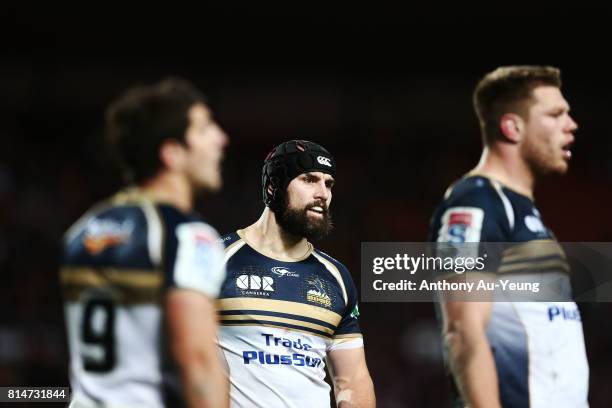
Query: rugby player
[(521, 354), (286, 308), (141, 270)]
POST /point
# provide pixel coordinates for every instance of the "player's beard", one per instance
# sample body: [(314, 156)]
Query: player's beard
[(542, 158), (296, 222)]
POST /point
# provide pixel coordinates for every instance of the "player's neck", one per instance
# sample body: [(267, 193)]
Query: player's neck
[(507, 168), (171, 188), (270, 239)]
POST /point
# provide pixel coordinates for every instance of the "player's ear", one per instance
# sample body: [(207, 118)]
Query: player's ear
[(511, 126), (172, 154)]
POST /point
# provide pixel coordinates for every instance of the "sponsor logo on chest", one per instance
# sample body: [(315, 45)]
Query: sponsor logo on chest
[(255, 285), (283, 271)]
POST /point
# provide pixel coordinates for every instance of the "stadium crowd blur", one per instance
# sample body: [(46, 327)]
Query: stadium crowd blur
[(400, 134)]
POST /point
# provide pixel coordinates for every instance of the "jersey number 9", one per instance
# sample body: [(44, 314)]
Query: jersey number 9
[(99, 336)]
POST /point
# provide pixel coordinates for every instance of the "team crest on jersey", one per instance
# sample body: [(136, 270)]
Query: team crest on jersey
[(317, 292), (101, 234)]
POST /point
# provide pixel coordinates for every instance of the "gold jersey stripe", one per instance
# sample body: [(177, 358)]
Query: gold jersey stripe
[(280, 320), (134, 195), (232, 249), (283, 306), (552, 265), (346, 337), (335, 273), (234, 244), (533, 249), (97, 277), (127, 286)]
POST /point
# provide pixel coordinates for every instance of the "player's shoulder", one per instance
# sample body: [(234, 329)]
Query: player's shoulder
[(474, 209), (187, 226), (472, 190), (345, 280), (329, 258), (230, 239), (173, 216), (109, 215), (114, 231), (326, 258), (131, 206), (193, 254)]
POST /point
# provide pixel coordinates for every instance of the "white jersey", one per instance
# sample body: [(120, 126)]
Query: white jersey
[(279, 320), (119, 260)]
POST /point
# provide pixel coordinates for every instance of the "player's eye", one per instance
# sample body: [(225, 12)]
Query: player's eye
[(557, 113)]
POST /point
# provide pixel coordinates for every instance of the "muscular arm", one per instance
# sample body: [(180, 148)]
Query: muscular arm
[(470, 356), (352, 382), (192, 331)]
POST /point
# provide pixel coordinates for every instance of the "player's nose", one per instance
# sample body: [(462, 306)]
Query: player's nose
[(322, 192), (224, 138), (572, 126)]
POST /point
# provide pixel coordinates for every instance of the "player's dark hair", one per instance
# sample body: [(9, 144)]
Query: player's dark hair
[(509, 90), (139, 121)]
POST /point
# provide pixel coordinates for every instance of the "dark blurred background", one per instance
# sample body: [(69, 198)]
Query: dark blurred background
[(387, 91)]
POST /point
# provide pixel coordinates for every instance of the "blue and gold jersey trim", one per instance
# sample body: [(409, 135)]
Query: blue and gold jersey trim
[(278, 313), (537, 256), (128, 286)]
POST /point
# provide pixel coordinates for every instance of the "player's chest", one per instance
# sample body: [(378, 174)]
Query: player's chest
[(306, 282)]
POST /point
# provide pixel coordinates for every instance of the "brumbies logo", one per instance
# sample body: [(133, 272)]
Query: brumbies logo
[(101, 234), (317, 293)]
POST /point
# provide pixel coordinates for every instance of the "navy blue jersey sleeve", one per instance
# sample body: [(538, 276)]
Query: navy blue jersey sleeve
[(348, 333), (348, 327), (473, 213), (112, 237), (193, 253), (349, 324)]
